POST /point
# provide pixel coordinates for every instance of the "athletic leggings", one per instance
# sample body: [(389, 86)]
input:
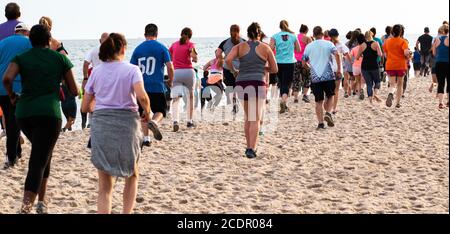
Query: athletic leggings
[(13, 147), (372, 79), (285, 77), (43, 132), (442, 77)]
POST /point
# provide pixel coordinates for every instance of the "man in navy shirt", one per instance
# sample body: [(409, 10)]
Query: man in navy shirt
[(151, 56)]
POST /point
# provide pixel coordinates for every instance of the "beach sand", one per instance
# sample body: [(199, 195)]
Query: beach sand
[(376, 160)]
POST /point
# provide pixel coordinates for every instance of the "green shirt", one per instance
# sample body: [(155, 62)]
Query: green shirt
[(42, 71)]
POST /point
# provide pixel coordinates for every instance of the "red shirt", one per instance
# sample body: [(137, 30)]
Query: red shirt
[(181, 55)]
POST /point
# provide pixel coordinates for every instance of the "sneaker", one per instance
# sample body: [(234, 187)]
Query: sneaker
[(235, 109), (155, 130), (398, 106), (389, 100), (261, 133), (250, 153), (296, 101), (306, 99), (346, 95), (8, 165), (321, 126), (329, 119), (41, 208), (282, 108), (361, 95), (191, 125), (146, 143), (176, 127)]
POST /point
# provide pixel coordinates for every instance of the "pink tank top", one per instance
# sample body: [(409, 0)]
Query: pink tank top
[(299, 56), (215, 67)]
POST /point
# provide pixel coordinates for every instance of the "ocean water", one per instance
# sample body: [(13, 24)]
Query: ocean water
[(205, 47)]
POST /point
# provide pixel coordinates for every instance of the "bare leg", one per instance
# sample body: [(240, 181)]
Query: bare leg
[(105, 188), (336, 95), (399, 93), (319, 112), (130, 192)]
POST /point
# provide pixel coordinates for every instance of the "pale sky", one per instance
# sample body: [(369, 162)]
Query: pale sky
[(87, 19)]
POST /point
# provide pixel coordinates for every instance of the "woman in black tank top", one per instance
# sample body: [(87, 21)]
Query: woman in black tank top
[(371, 51)]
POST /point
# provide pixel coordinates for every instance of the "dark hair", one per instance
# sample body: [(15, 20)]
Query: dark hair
[(426, 30), (361, 39), (151, 30), (317, 31), (304, 29), (445, 22), (205, 74), (388, 30), (186, 34), (397, 30), (254, 31), (235, 28), (40, 36), (354, 38), (349, 35), (12, 11), (374, 31), (110, 49)]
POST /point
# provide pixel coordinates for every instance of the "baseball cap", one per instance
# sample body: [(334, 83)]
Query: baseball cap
[(333, 33), (22, 27)]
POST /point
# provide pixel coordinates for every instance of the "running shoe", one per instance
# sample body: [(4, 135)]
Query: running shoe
[(361, 95), (306, 99), (296, 101), (191, 125), (235, 109), (329, 119), (146, 143), (321, 126), (41, 208), (176, 127), (282, 108), (389, 100), (346, 95), (250, 153), (155, 130)]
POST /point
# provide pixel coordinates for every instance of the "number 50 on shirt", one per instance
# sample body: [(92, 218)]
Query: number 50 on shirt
[(147, 65)]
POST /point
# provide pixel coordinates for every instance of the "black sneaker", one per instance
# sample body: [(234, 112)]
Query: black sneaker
[(191, 125), (235, 109), (346, 95), (250, 153), (147, 143), (296, 101), (329, 119), (389, 100), (176, 127), (155, 130), (321, 126), (306, 99)]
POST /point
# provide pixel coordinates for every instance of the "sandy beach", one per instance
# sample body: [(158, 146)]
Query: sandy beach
[(376, 160)]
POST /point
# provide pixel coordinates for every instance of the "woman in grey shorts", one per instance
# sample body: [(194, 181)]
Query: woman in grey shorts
[(251, 84), (183, 54)]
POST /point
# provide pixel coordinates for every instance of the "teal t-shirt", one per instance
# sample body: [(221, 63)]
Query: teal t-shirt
[(42, 71), (285, 47)]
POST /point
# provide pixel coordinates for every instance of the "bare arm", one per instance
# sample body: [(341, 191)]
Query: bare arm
[(298, 49), (231, 56), (378, 49), (360, 51), (207, 66), (339, 63), (417, 44), (85, 74), (435, 45), (272, 44), (143, 99), (170, 72), (194, 55), (8, 79), (88, 104), (71, 84), (273, 66), (219, 53)]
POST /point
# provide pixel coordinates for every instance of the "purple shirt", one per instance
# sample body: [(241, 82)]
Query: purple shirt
[(8, 28), (112, 85)]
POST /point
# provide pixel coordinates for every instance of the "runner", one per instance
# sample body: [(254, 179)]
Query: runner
[(12, 14), (38, 110), (250, 83), (318, 56), (441, 50), (228, 78), (357, 63), (302, 77), (370, 51), (388, 34), (285, 43), (424, 44), (9, 48), (183, 53), (348, 66), (212, 81), (397, 53), (151, 56), (433, 63), (343, 52), (90, 61), (55, 44), (417, 62), (116, 86)]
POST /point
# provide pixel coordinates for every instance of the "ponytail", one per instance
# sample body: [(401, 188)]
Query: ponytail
[(284, 26), (186, 34), (111, 47), (46, 22), (254, 31)]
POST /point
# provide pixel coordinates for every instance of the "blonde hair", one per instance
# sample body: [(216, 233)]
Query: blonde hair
[(369, 35), (46, 22), (444, 29), (284, 25)]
